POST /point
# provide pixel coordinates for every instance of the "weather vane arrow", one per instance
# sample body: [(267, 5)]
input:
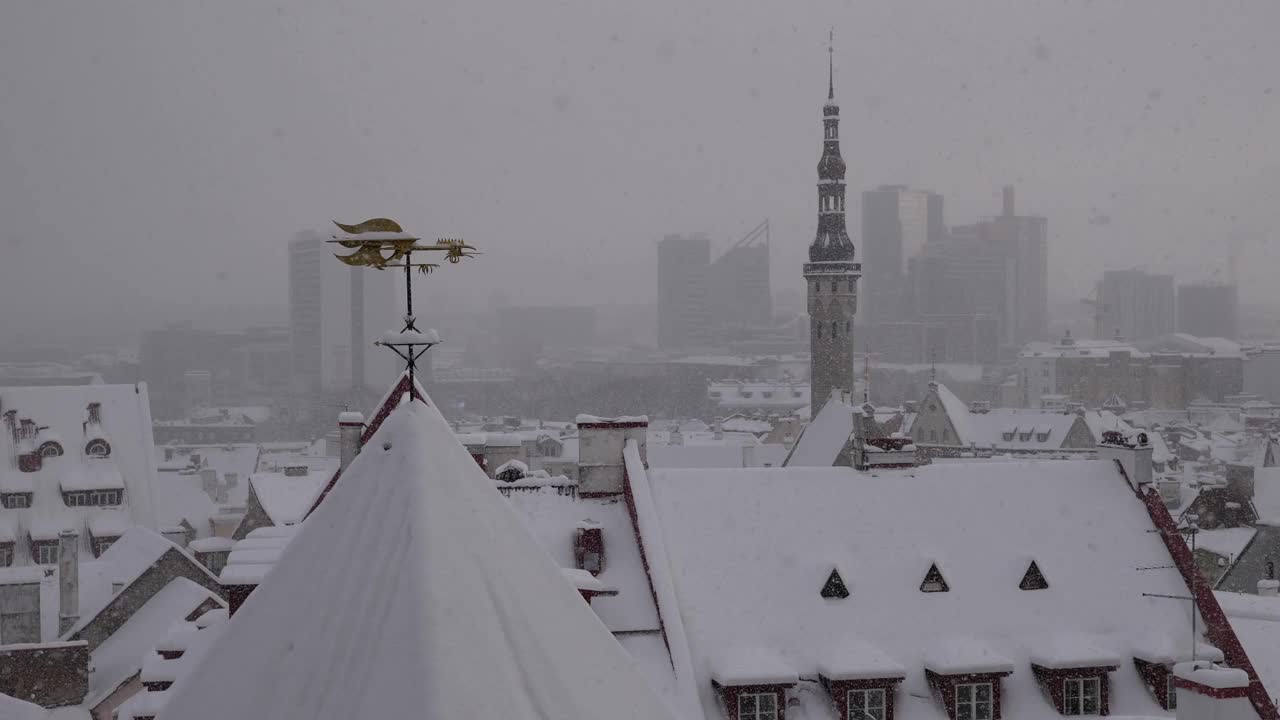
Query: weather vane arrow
[(381, 243)]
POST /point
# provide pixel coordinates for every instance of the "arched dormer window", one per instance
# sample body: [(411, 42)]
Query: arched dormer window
[(50, 448), (97, 448)]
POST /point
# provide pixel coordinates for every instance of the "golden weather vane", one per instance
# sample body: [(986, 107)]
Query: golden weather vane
[(381, 243)]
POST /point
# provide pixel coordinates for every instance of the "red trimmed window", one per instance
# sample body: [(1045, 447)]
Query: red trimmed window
[(588, 550)]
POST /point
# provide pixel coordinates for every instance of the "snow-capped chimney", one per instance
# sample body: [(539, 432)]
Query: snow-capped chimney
[(601, 466), (748, 456), (68, 580), (1207, 691), (1132, 452), (1268, 588), (350, 428)]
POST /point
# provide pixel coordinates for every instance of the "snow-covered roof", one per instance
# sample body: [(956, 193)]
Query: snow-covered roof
[(713, 456), (552, 519), (748, 552), (584, 419), (1063, 651), (123, 417), (121, 655), (286, 498), (855, 659), (961, 419), (1256, 620), (752, 666), (825, 436), (462, 614)]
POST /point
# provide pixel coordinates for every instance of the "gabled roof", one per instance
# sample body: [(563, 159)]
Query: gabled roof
[(448, 607), (62, 413), (825, 436), (748, 548)]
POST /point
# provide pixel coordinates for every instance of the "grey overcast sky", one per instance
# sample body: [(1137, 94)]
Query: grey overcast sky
[(162, 153)]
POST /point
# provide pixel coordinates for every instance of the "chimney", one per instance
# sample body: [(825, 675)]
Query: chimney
[(209, 481), (1206, 691), (1008, 201), (1132, 452), (68, 580), (717, 429), (601, 444), (1268, 588), (350, 428), (748, 456), (95, 413)]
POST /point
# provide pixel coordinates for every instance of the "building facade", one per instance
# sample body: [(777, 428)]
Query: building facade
[(897, 222), (831, 273), (1209, 310), (1134, 305)]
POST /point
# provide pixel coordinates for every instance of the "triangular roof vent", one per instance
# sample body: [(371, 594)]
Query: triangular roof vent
[(933, 581), (835, 589), (1033, 579)]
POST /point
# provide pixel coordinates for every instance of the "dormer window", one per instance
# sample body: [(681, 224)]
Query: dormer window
[(1008, 436), (588, 548), (974, 701), (1033, 579), (16, 500), (1042, 437), (50, 448), (933, 581), (835, 589), (1025, 436), (867, 704), (767, 394), (97, 448), (757, 706), (1082, 696)]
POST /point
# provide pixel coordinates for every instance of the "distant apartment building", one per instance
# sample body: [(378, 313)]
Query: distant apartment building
[(702, 302), (994, 272), (1169, 372), (897, 222), (336, 313), (1209, 310), (1134, 305)]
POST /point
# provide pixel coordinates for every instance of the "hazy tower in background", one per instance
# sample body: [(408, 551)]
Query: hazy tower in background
[(831, 274), (335, 314), (684, 295), (897, 222), (1209, 310)]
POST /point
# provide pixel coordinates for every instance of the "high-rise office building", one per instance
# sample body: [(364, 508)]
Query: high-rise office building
[(831, 274), (1209, 310), (897, 222), (684, 292), (336, 312), (1022, 241), (701, 302), (1134, 305)]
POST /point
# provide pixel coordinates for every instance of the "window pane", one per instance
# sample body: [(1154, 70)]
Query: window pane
[(984, 692), (766, 703), (982, 711), (964, 693), (747, 704), (964, 711)]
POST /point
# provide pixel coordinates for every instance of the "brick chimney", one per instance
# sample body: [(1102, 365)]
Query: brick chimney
[(601, 469), (1207, 691), (350, 429), (68, 580), (1132, 452)]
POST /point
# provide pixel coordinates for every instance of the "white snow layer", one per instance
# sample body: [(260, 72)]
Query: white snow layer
[(437, 601)]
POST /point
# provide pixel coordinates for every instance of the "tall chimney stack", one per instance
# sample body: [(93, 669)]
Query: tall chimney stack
[(350, 428), (1008, 201), (68, 580)]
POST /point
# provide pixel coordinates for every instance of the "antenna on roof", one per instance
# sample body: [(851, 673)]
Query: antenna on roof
[(370, 240), (933, 365), (866, 379), (1197, 578)]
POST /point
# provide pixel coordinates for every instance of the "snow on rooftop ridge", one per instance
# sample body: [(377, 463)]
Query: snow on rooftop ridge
[(859, 660), (958, 412), (1062, 651), (584, 419), (821, 441), (1212, 675), (959, 655), (752, 666), (463, 616), (1166, 649)]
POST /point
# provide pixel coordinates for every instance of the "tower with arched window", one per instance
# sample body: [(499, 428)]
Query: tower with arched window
[(831, 273)]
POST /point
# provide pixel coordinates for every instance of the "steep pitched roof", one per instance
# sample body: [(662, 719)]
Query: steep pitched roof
[(440, 603), (747, 549), (825, 436)]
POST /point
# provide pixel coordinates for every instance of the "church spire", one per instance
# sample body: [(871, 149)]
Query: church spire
[(831, 64)]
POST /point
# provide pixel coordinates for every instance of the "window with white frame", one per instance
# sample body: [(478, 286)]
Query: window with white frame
[(757, 706), (46, 553), (973, 701), (866, 704), (6, 555), (1082, 696)]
